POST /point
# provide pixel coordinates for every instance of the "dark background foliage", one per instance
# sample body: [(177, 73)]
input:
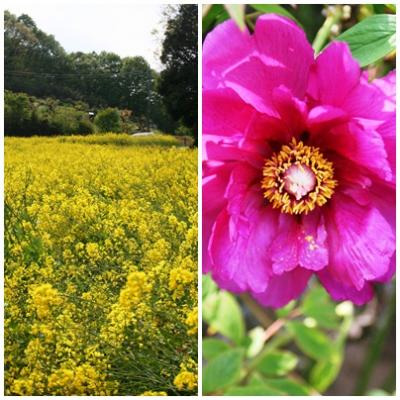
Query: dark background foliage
[(50, 91)]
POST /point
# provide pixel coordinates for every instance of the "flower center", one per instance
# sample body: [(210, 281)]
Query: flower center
[(298, 178)]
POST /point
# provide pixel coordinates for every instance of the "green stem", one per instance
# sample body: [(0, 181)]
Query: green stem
[(376, 347), (333, 17)]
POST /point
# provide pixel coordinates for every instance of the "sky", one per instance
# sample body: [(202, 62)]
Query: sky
[(122, 27)]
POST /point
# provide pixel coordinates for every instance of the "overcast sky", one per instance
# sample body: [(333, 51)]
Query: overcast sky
[(119, 26)]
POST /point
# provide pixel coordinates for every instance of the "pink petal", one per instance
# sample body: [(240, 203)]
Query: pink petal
[(364, 147), (214, 187), (340, 292), (369, 102), (277, 54), (283, 288), (322, 118), (239, 243), (334, 75), (226, 114), (387, 84), (361, 242), (299, 244)]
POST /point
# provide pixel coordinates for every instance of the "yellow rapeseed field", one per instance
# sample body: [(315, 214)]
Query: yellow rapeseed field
[(101, 266)]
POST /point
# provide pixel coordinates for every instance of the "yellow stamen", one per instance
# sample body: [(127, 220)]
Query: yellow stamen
[(298, 178)]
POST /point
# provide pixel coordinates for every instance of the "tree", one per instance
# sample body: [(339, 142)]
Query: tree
[(33, 60), (178, 80), (108, 120), (138, 88)]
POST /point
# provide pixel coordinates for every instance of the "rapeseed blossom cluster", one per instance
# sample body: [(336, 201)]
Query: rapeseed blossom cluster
[(101, 266)]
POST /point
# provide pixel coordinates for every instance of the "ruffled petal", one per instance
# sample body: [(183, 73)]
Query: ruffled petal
[(361, 242), (299, 244), (283, 288), (214, 187), (239, 244), (253, 65), (227, 116), (340, 292), (334, 75), (364, 147)]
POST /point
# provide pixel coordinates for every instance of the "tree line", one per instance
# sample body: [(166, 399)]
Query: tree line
[(36, 65)]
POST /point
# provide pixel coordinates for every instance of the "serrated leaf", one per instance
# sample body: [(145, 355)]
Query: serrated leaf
[(236, 12), (256, 390), (288, 386), (222, 312), (372, 38), (222, 371), (277, 363), (213, 347), (317, 305), (311, 341), (274, 9)]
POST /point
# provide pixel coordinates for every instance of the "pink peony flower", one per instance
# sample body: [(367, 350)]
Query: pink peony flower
[(299, 166)]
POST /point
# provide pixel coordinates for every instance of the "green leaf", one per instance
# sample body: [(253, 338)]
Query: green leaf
[(317, 305), (311, 341), (377, 392), (222, 312), (391, 7), (277, 363), (256, 379), (325, 372), (212, 347), (236, 11), (256, 390), (222, 371), (285, 311), (288, 386), (208, 286), (274, 9), (256, 344), (216, 13), (372, 38)]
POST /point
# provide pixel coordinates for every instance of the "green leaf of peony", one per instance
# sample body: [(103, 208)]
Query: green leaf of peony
[(277, 363), (213, 347), (288, 386), (372, 38), (222, 312), (318, 305), (222, 371), (236, 11), (311, 341), (256, 390), (216, 13), (256, 336), (275, 9), (325, 372), (208, 286)]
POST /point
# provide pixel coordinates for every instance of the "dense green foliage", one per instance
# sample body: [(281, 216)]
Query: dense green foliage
[(108, 120), (36, 64), (178, 83), (27, 115)]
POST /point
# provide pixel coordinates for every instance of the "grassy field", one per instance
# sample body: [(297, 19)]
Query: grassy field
[(101, 266)]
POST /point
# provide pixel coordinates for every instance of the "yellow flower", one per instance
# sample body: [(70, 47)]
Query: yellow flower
[(151, 393), (185, 380)]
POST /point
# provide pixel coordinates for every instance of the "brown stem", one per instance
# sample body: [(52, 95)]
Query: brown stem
[(256, 310)]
